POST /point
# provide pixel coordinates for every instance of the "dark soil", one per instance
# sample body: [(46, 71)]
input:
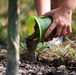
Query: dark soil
[(31, 43), (38, 68), (32, 40)]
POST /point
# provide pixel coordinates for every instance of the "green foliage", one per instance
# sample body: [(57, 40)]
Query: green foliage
[(23, 45), (58, 51), (72, 53), (42, 46), (22, 34), (3, 34), (74, 15), (73, 34), (22, 41)]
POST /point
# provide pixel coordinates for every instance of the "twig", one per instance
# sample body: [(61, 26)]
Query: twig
[(24, 9), (70, 41)]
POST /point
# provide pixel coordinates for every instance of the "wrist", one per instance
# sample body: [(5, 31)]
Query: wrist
[(66, 10), (69, 5)]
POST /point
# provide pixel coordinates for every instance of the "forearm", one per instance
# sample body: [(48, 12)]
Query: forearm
[(56, 3), (42, 6), (69, 5)]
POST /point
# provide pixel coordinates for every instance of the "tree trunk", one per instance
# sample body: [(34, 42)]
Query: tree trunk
[(13, 39)]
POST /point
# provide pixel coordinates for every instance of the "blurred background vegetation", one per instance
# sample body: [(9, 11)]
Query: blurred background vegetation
[(27, 5), (29, 10)]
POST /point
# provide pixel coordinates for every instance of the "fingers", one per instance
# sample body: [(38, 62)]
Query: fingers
[(61, 29), (48, 39), (58, 32), (51, 28), (69, 29)]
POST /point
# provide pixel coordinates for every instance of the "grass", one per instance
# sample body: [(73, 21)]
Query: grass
[(58, 52)]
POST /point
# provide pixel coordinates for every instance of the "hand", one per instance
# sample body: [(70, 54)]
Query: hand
[(61, 21)]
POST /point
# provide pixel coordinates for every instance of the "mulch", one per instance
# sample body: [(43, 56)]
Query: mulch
[(42, 67), (37, 68)]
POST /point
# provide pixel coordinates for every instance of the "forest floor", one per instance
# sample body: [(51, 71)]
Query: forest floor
[(44, 66)]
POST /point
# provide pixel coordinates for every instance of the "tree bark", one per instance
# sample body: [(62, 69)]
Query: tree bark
[(13, 39)]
